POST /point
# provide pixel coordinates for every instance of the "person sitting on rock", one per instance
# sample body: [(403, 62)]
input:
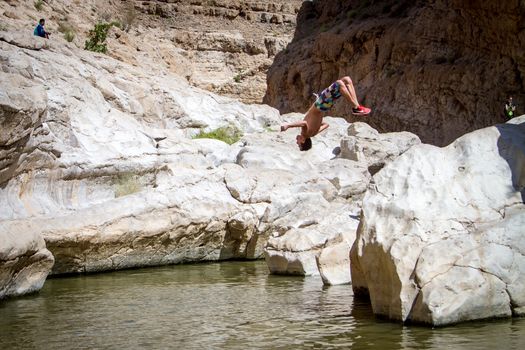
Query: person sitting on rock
[(40, 31), (312, 124), (510, 108)]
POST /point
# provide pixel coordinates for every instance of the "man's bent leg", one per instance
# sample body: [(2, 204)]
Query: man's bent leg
[(348, 91)]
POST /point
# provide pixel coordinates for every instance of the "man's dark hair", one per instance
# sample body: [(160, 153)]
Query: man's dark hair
[(307, 144), (42, 21)]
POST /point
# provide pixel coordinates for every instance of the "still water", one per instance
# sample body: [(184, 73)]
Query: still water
[(231, 305)]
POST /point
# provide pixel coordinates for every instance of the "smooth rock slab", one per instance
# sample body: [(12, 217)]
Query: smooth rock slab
[(334, 264)]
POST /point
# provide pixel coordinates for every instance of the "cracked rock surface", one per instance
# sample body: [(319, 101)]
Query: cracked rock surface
[(441, 238)]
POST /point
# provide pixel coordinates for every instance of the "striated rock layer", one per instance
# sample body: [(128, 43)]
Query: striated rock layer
[(441, 238), (438, 69)]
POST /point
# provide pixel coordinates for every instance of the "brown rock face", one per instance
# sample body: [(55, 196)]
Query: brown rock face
[(437, 68)]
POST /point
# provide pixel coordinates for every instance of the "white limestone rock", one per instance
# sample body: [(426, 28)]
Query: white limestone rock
[(334, 263), (298, 243), (350, 178), (107, 171), (24, 261), (365, 144), (295, 253), (22, 106), (441, 238)]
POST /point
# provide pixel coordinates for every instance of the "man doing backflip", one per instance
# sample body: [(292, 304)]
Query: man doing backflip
[(312, 124)]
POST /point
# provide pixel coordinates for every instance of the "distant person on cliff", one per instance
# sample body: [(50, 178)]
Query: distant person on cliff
[(510, 108), (40, 31), (312, 124)]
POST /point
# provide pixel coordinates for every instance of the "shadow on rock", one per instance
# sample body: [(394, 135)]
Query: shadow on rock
[(511, 147)]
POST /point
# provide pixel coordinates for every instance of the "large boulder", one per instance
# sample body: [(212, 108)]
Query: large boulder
[(441, 234), (24, 260), (97, 158), (295, 249)]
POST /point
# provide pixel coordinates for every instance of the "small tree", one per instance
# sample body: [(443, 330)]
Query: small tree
[(97, 38)]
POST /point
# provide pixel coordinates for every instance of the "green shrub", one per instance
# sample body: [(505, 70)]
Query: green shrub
[(97, 37), (227, 134), (126, 184), (38, 4), (238, 77)]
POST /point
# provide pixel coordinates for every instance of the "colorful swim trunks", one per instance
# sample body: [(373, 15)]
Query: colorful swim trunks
[(326, 99)]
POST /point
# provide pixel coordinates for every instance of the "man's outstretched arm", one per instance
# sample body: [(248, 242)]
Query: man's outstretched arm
[(297, 124)]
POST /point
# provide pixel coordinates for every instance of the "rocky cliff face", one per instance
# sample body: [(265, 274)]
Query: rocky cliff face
[(223, 46), (437, 68), (229, 44)]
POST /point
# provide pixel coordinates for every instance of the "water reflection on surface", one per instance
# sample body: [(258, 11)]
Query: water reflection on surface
[(229, 305)]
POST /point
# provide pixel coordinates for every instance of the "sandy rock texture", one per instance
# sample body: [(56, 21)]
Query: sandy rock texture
[(222, 46), (437, 69), (441, 234)]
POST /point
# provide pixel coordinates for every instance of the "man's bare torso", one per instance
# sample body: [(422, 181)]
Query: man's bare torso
[(313, 119)]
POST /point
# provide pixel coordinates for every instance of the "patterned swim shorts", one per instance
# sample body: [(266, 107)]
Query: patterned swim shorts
[(327, 97)]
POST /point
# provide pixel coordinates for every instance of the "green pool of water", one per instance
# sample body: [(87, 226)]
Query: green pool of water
[(230, 305)]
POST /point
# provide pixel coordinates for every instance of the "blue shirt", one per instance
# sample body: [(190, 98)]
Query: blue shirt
[(39, 31)]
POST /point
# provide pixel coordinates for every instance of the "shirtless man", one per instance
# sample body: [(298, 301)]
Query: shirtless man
[(312, 124)]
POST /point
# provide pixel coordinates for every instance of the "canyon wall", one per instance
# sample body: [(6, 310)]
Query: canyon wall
[(222, 46), (436, 68)]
